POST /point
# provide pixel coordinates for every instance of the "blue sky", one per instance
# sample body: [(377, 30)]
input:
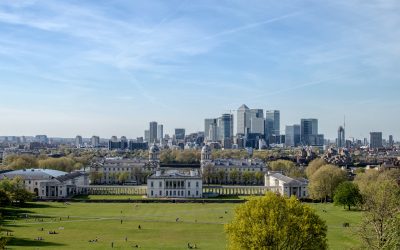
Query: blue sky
[(109, 67)]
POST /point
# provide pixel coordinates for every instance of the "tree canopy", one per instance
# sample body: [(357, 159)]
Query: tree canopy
[(324, 182), (347, 194), (380, 227), (276, 222), (313, 166), (287, 167)]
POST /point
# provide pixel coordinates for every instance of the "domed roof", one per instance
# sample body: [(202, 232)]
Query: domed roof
[(154, 148), (206, 149)]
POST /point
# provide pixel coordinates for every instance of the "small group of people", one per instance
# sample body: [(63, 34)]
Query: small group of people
[(53, 232), (39, 238), (191, 246), (93, 241)]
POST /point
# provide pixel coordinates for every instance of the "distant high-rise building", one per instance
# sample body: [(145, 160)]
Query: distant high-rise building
[(153, 132), (309, 133), (272, 125), (375, 140), (179, 133), (78, 141), (41, 139), (147, 135), (95, 141), (391, 141), (257, 125), (341, 139), (365, 142), (243, 119), (292, 136), (114, 138), (225, 127), (160, 132), (210, 129)]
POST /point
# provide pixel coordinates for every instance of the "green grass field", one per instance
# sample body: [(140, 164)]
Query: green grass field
[(200, 224)]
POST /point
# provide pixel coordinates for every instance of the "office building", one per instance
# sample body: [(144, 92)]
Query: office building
[(179, 133), (309, 133), (78, 141), (41, 139), (292, 135), (153, 132), (147, 135), (95, 141), (272, 126), (257, 125), (243, 119), (341, 139), (375, 140), (210, 129), (160, 132), (391, 142), (225, 126)]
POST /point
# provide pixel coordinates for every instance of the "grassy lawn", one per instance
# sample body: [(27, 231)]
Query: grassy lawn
[(109, 197), (198, 223)]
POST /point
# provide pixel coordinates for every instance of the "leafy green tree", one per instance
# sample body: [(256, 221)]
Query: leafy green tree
[(138, 174), (276, 222), (234, 176), (14, 191), (287, 167), (380, 227), (20, 161), (5, 198), (220, 176), (63, 164), (347, 194), (207, 173), (122, 177), (95, 177), (313, 166), (364, 179), (324, 182), (259, 176)]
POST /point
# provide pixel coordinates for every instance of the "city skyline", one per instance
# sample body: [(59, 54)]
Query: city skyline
[(76, 68)]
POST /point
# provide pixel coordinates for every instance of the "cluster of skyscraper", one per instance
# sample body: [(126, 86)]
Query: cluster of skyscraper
[(255, 130)]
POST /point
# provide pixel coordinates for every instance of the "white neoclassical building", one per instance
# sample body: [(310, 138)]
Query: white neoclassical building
[(48, 183), (175, 184), (287, 186)]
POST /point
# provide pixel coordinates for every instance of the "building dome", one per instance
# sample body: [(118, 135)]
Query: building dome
[(154, 149), (206, 149)]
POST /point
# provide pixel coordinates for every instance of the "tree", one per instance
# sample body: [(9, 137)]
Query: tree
[(364, 179), (14, 191), (21, 161), (324, 182), (138, 174), (207, 173), (95, 177), (287, 167), (220, 176), (313, 166), (347, 194), (63, 164), (380, 227), (276, 222), (259, 176), (122, 177), (234, 176)]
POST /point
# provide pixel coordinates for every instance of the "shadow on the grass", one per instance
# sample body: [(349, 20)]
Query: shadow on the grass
[(32, 243), (39, 205)]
